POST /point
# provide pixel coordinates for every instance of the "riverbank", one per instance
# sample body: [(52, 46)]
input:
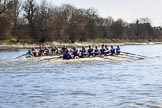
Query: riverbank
[(78, 44)]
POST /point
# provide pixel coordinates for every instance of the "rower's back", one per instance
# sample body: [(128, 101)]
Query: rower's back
[(112, 50), (117, 49)]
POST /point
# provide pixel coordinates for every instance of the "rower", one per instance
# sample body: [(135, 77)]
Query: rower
[(102, 50), (35, 52), (90, 51), (106, 50), (82, 52), (46, 51), (112, 50), (64, 49), (67, 55), (75, 52), (57, 50), (118, 50), (41, 51), (54, 50), (96, 51)]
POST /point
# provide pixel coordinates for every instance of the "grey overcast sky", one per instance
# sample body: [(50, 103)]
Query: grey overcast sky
[(128, 10)]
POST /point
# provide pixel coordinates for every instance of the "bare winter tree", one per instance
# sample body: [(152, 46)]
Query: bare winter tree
[(3, 6), (117, 29), (6, 18), (30, 9), (16, 10), (67, 23)]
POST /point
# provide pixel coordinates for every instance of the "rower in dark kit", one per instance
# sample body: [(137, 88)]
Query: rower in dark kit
[(82, 52), (75, 52), (106, 50), (90, 51), (41, 51), (112, 50), (102, 50), (96, 51), (54, 50), (118, 50), (64, 49)]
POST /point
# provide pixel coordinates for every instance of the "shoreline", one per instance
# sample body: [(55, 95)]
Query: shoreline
[(78, 44)]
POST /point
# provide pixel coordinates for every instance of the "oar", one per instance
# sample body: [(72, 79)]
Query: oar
[(28, 53), (108, 58), (20, 56), (129, 57), (132, 57), (135, 57), (134, 54), (122, 58)]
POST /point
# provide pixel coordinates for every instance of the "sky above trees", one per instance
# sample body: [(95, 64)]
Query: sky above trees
[(128, 10)]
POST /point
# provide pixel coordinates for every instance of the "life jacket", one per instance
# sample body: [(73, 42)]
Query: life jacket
[(66, 56)]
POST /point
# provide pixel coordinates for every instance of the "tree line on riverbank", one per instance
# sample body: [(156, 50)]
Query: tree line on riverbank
[(29, 21)]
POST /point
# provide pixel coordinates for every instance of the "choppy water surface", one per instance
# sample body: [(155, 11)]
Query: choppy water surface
[(93, 84)]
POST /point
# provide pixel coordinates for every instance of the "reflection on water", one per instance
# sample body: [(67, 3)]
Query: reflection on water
[(93, 84)]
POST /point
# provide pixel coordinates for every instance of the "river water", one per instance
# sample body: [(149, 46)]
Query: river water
[(91, 84)]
